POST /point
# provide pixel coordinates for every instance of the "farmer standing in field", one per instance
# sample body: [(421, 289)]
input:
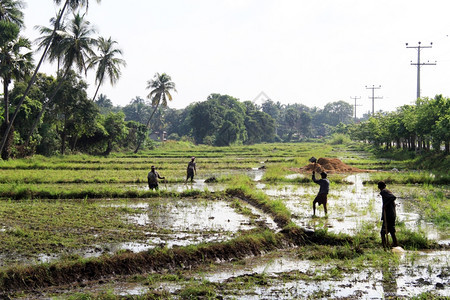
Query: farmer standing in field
[(322, 196), (388, 215), (191, 169), (152, 178)]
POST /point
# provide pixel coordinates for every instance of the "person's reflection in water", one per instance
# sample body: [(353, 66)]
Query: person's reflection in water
[(389, 282)]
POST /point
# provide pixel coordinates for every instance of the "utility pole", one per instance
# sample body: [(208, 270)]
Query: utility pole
[(373, 88), (355, 98), (418, 64)]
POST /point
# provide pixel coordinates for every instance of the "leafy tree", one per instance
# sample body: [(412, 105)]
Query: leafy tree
[(136, 132), (178, 121), (106, 62), (272, 109), (116, 128), (337, 112), (206, 119), (31, 107), (104, 104), (137, 110), (232, 129), (259, 125), (71, 4), (16, 62), (74, 46), (74, 114)]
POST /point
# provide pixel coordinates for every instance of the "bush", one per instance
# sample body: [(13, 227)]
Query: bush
[(339, 139)]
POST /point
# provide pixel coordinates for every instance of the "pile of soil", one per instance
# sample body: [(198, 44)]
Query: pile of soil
[(330, 165)]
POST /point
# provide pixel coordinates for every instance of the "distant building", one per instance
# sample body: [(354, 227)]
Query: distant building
[(158, 136)]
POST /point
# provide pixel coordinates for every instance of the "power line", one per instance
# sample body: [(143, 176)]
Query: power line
[(355, 98), (418, 64), (373, 88)]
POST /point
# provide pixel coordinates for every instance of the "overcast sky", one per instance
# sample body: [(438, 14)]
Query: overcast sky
[(295, 51)]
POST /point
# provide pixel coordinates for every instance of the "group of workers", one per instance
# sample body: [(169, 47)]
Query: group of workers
[(388, 215), (153, 175)]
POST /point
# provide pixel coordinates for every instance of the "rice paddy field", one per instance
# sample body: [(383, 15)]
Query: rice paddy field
[(86, 227)]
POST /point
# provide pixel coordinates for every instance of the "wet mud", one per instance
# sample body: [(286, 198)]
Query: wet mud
[(273, 275)]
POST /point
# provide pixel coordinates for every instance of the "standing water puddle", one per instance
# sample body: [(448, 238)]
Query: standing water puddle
[(182, 222), (349, 207), (280, 275)]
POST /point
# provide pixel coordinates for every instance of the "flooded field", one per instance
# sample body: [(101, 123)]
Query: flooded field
[(282, 275), (186, 215)]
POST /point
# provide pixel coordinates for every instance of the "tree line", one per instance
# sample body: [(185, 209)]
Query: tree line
[(53, 114), (423, 126)]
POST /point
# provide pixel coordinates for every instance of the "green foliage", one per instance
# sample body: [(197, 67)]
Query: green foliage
[(412, 127), (339, 139)]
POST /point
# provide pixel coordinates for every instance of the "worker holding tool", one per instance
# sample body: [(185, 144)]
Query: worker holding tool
[(388, 215), (322, 196), (152, 178), (324, 183)]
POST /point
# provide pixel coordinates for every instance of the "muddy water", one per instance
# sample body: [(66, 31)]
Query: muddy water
[(255, 174), (412, 276), (168, 223), (349, 207), (286, 277)]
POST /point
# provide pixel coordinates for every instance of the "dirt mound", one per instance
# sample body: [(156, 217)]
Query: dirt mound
[(330, 165)]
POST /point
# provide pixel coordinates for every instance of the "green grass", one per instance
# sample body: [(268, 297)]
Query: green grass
[(82, 186)]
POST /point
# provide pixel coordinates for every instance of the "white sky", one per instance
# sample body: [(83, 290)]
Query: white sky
[(297, 51)]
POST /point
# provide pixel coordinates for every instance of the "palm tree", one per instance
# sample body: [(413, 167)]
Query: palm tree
[(106, 62), (15, 64), (160, 86), (10, 11), (72, 4), (53, 39), (74, 46)]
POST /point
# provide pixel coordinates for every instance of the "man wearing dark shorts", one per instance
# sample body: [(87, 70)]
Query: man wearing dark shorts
[(388, 215), (322, 196)]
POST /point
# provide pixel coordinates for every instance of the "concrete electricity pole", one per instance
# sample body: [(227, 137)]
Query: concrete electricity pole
[(355, 98), (373, 88), (418, 64)]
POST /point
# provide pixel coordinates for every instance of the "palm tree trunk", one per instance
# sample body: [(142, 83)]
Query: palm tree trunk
[(98, 87), (5, 99), (96, 91), (32, 80), (147, 126)]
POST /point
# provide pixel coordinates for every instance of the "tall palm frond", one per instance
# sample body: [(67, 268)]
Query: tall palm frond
[(51, 35), (74, 4), (160, 86), (107, 63), (76, 43), (11, 11)]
